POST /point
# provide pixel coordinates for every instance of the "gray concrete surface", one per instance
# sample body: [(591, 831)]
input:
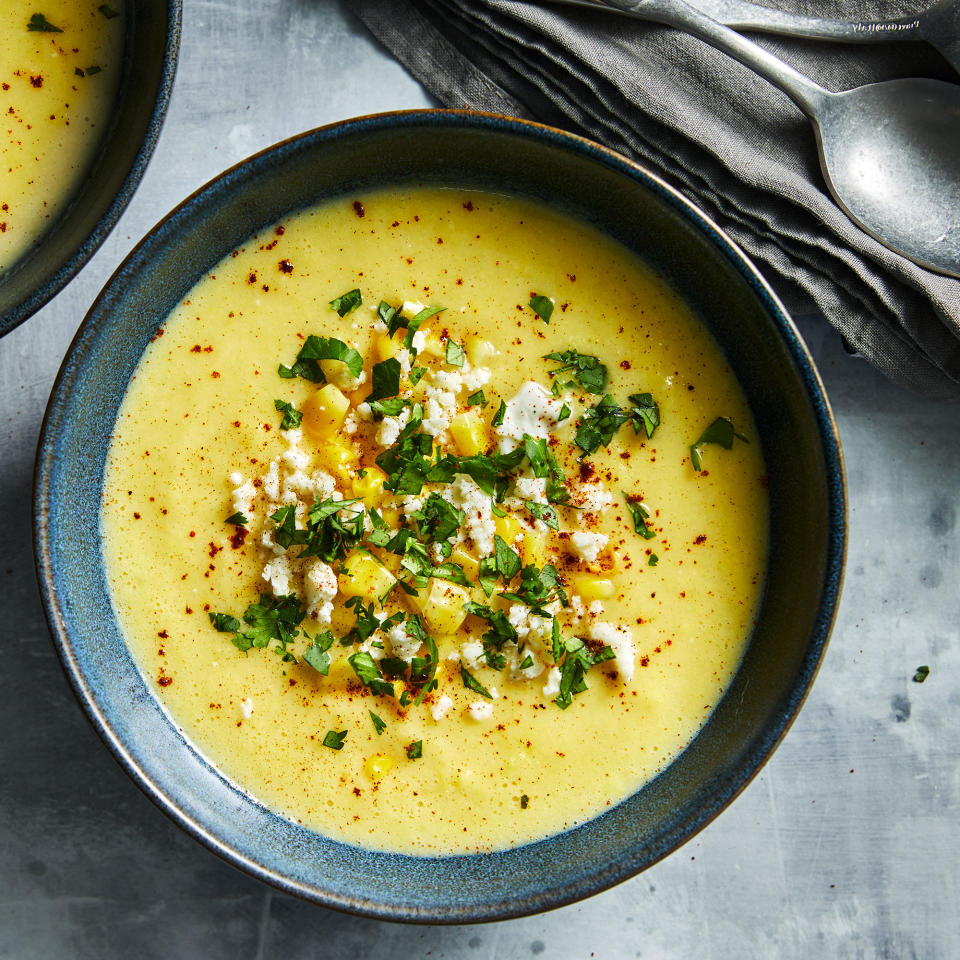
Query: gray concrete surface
[(845, 846)]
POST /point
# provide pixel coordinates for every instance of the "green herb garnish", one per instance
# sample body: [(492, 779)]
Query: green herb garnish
[(224, 622), (317, 653), (38, 23), (385, 380), (334, 739), (368, 672), (543, 512), (378, 724), (477, 399), (921, 674), (720, 432), (587, 370), (472, 683), (237, 519), (564, 412), (291, 416), (271, 618), (347, 302), (316, 349), (524, 801), (640, 516), (646, 410), (415, 750), (416, 375), (455, 354), (542, 307), (527, 662), (653, 561), (499, 415)]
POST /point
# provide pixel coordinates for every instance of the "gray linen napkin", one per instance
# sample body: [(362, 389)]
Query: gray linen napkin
[(724, 137)]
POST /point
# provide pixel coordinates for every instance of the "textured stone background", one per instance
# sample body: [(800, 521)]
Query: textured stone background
[(845, 846)]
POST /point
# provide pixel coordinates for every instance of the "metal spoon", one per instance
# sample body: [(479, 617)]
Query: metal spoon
[(939, 25), (889, 152)]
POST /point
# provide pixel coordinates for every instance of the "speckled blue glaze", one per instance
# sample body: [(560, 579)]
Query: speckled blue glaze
[(150, 61), (793, 420)]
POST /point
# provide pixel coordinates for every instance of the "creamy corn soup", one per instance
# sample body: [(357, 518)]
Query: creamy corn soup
[(60, 66), (435, 520)]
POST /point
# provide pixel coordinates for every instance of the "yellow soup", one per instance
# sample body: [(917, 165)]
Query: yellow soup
[(59, 70), (585, 584)]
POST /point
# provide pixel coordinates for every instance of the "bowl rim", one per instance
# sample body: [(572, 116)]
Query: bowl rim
[(625, 866), (69, 268)]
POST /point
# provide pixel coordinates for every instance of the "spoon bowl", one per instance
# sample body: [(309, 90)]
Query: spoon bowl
[(889, 153)]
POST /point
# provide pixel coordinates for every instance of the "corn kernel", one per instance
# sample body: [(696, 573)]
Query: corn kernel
[(433, 346), (324, 412), (391, 517), (363, 576), (369, 487), (339, 456), (442, 606), (378, 766), (471, 566), (508, 527), (533, 548), (386, 347), (479, 351), (593, 588), (470, 433)]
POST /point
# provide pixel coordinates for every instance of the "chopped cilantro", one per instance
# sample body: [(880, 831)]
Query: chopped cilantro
[(577, 660), (646, 411), (538, 587), (524, 801), (412, 324), (416, 375), (38, 23), (415, 750), (587, 369), (720, 432), (237, 519), (334, 739), (921, 674), (477, 399), (271, 618), (501, 631), (437, 519), (455, 354), (499, 415), (385, 379), (366, 669), (224, 622), (291, 416), (653, 561), (386, 313), (598, 425), (542, 307), (316, 654), (404, 698), (564, 412), (508, 560), (90, 71), (640, 516), (472, 683), (365, 623), (546, 514), (527, 662), (378, 724), (347, 302), (316, 349), (328, 535)]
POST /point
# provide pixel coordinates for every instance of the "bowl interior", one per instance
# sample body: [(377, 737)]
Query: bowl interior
[(150, 51), (805, 476)]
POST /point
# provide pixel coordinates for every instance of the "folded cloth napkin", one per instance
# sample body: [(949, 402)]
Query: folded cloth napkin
[(727, 139)]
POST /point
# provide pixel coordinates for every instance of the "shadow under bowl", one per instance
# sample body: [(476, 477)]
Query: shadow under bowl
[(149, 63), (806, 483)]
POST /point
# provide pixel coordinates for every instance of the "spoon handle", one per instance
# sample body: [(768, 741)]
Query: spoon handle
[(806, 94), (746, 15)]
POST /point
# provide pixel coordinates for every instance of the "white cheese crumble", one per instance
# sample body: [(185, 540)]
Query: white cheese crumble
[(390, 428), (531, 488), (277, 573), (320, 587), (552, 687), (480, 710), (471, 652), (441, 708), (401, 644), (587, 546), (477, 509), (246, 708), (533, 411), (620, 640)]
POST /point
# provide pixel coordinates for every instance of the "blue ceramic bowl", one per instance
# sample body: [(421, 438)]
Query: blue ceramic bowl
[(799, 441), (149, 63)]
